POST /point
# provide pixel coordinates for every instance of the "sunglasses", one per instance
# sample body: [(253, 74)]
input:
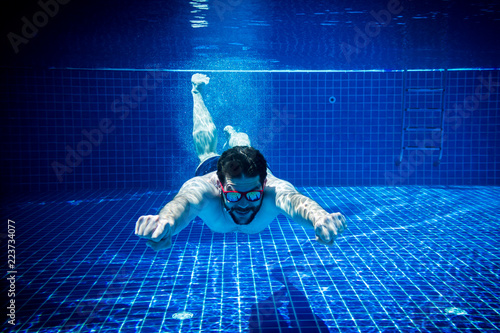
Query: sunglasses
[(235, 196)]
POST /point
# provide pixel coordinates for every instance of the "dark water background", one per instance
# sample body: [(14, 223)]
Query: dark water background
[(252, 35)]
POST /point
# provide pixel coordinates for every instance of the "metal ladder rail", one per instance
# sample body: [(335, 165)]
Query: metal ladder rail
[(403, 118), (422, 129), (443, 105)]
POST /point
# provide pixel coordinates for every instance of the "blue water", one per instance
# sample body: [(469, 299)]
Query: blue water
[(321, 89), (414, 259), (258, 34)]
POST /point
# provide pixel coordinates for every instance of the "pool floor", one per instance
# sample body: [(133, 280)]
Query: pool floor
[(413, 259)]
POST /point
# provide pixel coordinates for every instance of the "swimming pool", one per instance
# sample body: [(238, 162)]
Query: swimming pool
[(384, 111), (414, 259)]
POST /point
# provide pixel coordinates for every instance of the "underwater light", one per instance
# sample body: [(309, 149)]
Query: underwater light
[(182, 315), (455, 311)]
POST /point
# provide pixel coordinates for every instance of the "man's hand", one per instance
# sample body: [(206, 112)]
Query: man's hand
[(328, 227), (158, 231)]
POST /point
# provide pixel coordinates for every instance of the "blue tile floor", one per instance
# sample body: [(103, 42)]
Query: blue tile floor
[(414, 259)]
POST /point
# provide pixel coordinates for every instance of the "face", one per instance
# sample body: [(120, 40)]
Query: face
[(242, 211)]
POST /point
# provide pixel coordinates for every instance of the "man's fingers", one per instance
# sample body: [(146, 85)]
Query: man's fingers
[(150, 229), (162, 230), (146, 225), (139, 224), (324, 234), (344, 222), (319, 230), (157, 231), (143, 223), (328, 231), (321, 241), (341, 224)]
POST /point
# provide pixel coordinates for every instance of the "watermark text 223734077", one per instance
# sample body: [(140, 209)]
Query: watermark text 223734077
[(29, 28), (11, 271)]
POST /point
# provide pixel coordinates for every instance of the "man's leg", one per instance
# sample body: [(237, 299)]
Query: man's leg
[(238, 139), (204, 130)]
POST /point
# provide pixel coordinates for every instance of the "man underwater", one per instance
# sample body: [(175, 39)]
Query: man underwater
[(233, 192)]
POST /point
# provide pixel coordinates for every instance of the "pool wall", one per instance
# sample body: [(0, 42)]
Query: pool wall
[(70, 129)]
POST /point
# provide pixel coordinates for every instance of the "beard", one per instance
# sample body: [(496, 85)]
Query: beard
[(237, 219)]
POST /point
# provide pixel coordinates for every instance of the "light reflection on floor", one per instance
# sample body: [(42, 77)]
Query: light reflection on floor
[(412, 259)]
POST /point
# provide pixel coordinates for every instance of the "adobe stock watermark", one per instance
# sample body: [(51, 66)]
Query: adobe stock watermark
[(372, 29), (90, 314), (92, 138), (223, 6), (454, 117), (12, 271), (29, 29), (279, 121)]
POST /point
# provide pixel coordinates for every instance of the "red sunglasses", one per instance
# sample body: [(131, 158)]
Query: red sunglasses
[(235, 196)]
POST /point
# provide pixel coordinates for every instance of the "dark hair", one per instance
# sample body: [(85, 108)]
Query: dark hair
[(239, 161)]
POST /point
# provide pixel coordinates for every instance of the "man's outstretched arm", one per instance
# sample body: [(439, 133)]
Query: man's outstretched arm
[(308, 212), (175, 216)]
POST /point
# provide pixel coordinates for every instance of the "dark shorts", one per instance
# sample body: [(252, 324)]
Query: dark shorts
[(207, 166), (211, 165)]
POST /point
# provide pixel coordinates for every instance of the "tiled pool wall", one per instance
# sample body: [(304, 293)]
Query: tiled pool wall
[(70, 129)]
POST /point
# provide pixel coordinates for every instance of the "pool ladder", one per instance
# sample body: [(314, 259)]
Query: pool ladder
[(407, 111)]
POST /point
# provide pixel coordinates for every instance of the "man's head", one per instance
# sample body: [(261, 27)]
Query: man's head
[(242, 169), (241, 161)]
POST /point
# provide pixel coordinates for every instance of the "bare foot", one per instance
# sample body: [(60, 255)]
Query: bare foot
[(198, 81), (235, 138), (228, 130)]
